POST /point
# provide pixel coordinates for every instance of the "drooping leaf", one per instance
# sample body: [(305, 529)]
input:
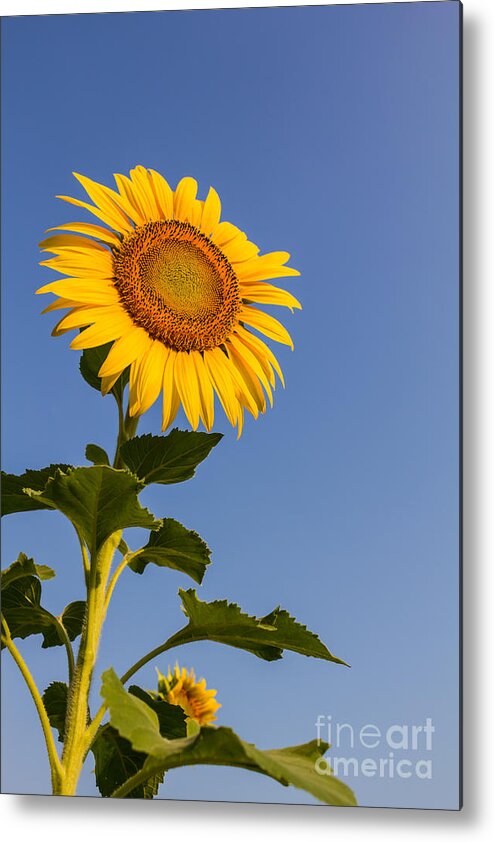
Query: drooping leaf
[(22, 610), (171, 718), (266, 637), (167, 459), (24, 566), (294, 766), (174, 546), (15, 499), (98, 500), (116, 760), (72, 619), (90, 363), (55, 702), (96, 455)]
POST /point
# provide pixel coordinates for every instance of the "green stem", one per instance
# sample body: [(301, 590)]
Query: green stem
[(115, 577), (62, 631), (55, 766), (77, 707), (117, 462), (144, 660), (126, 430)]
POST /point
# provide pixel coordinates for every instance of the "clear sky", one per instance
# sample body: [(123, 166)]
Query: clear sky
[(332, 133)]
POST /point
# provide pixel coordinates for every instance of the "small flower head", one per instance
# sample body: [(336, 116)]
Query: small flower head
[(180, 687)]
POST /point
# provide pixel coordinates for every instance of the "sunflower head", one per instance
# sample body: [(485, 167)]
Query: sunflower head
[(174, 289), (180, 687)]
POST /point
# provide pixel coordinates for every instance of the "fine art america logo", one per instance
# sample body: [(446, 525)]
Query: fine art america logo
[(386, 748)]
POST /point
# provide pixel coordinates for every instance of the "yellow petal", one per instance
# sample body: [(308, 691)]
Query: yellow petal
[(266, 266), (97, 265), (83, 316), (142, 186), (129, 197), (107, 383), (171, 400), (61, 243), (251, 381), (205, 390), (107, 200), (196, 213), (184, 198), (223, 382), (248, 356), (211, 213), (225, 232), (268, 294), (83, 289), (163, 194), (188, 388), (265, 324), (108, 219), (263, 353), (125, 350), (134, 406), (107, 329), (91, 230), (238, 250), (151, 370), (59, 304)]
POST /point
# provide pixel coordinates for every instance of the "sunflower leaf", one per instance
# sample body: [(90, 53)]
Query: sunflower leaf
[(55, 702), (96, 455), (15, 498), (266, 637), (296, 765), (171, 718), (98, 500), (21, 602), (72, 620), (116, 760), (174, 546), (24, 566), (167, 459), (90, 363)]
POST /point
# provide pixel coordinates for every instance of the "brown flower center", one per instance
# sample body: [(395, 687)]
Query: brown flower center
[(178, 285)]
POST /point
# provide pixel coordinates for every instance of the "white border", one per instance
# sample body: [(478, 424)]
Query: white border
[(49, 819)]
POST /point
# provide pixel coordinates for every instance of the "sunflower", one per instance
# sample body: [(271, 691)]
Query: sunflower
[(173, 288), (181, 688)]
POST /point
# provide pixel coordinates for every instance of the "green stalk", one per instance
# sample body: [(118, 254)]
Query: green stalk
[(55, 767), (77, 708)]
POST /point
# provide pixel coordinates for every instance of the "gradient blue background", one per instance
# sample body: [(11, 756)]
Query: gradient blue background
[(333, 133)]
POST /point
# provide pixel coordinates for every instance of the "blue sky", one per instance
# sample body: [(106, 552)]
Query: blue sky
[(331, 132)]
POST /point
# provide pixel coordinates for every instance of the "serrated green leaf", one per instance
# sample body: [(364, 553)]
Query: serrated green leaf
[(72, 619), (116, 760), (90, 363), (167, 459), (21, 606), (55, 702), (15, 499), (99, 501), (266, 637), (171, 718), (174, 546), (96, 455), (24, 566), (294, 766)]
